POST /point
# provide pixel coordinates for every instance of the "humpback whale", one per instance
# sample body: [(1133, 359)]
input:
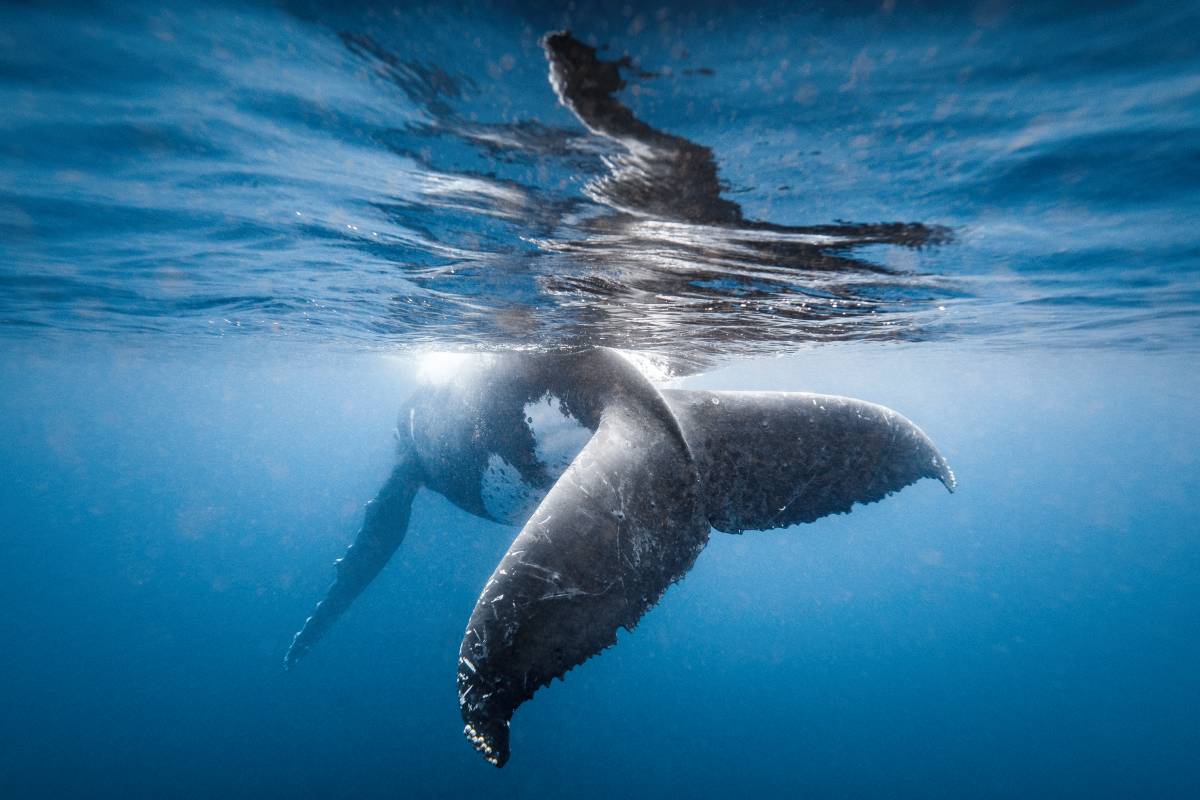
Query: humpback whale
[(617, 484)]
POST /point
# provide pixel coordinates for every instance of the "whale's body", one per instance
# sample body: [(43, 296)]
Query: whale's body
[(617, 485)]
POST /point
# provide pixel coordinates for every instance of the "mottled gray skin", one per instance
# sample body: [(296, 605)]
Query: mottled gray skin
[(620, 516), (455, 427)]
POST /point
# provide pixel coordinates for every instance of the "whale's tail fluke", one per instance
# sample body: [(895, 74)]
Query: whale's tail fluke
[(774, 459), (384, 525), (632, 512), (617, 528)]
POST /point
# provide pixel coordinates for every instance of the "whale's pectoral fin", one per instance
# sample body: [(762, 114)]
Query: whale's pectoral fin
[(384, 525), (774, 459), (621, 524)]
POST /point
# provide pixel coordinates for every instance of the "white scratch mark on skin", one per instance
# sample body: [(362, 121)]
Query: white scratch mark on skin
[(573, 476), (796, 496), (545, 570), (575, 591)]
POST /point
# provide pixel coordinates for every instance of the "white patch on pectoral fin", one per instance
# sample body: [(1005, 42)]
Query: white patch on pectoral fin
[(505, 494)]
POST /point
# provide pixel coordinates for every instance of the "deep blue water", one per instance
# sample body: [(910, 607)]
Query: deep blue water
[(226, 232)]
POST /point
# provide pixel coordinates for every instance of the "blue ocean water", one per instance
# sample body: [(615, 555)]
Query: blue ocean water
[(228, 232)]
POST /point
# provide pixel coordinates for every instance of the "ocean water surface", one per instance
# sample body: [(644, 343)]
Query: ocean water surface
[(231, 234)]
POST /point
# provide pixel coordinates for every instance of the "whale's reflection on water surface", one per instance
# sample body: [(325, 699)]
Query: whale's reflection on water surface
[(656, 258), (697, 183)]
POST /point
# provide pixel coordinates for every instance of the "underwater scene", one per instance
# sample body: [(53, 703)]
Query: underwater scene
[(600, 400)]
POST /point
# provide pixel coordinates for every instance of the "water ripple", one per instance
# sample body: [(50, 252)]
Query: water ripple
[(700, 186)]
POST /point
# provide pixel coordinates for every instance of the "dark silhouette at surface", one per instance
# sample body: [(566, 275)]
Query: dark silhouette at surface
[(669, 177), (660, 175), (651, 255)]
